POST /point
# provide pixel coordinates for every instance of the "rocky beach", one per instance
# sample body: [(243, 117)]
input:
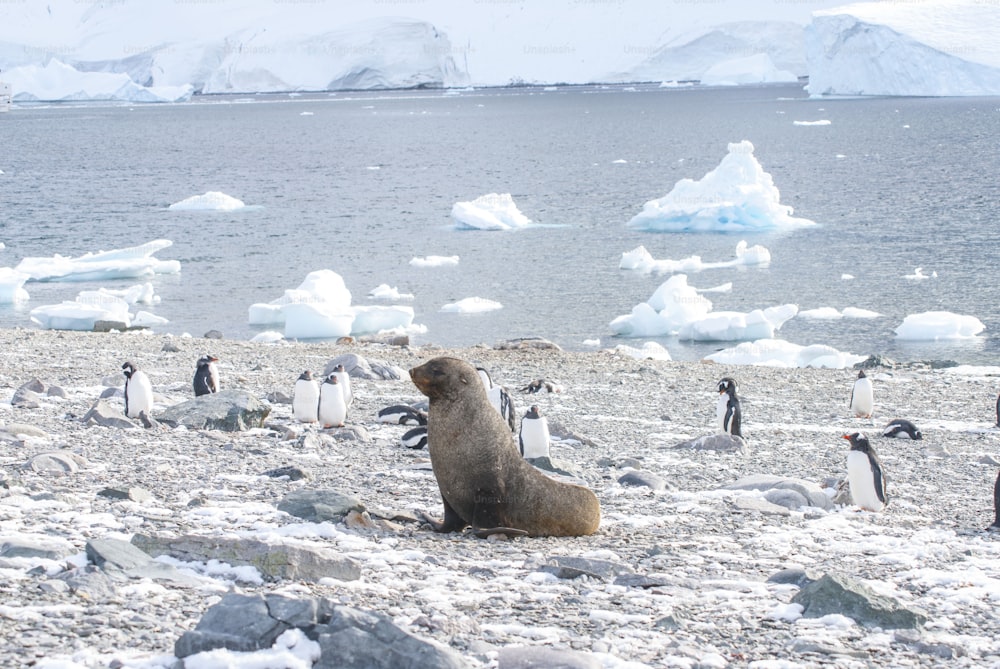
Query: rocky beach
[(125, 546)]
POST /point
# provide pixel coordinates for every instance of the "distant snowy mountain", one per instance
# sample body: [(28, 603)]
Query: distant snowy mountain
[(940, 48), (169, 49)]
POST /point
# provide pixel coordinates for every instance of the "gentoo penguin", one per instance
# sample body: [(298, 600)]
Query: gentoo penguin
[(902, 429), (345, 383), (862, 396), (402, 414), (727, 409), (499, 398), (534, 437), (206, 376), (138, 391), (332, 407), (541, 386), (996, 505), (865, 474), (415, 438), (305, 399)]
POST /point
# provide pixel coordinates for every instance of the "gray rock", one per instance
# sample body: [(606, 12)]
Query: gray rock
[(291, 472), (765, 482), (837, 593), (227, 410), (56, 462), (19, 548), (527, 343), (56, 391), (104, 414), (644, 478), (91, 583), (27, 395), (279, 397), (722, 443), (568, 567), (133, 494), (111, 326), (110, 392), (535, 657), (23, 430), (123, 560), (348, 638), (556, 467), (793, 576), (752, 504), (319, 505), (790, 499), (274, 561), (644, 581), (212, 334)]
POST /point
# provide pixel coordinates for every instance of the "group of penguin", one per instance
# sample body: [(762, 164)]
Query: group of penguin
[(533, 433), (139, 389), (865, 473), (325, 403)]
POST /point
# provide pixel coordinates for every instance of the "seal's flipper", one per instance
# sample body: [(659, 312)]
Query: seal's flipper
[(452, 521)]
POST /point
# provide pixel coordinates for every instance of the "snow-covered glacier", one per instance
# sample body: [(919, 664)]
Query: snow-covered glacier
[(942, 48)]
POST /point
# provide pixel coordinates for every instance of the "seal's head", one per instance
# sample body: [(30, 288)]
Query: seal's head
[(441, 378)]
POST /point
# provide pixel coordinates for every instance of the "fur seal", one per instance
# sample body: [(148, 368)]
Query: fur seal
[(483, 479)]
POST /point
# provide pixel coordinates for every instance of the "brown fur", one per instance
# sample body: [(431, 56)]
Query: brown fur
[(483, 479)]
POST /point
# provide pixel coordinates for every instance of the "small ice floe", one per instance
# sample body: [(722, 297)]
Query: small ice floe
[(128, 263), (846, 277), (12, 286), (918, 275), (434, 261), (494, 211), (780, 353), (267, 337), (213, 200), (641, 260), (385, 292), (819, 122), (471, 305), (938, 325), (832, 314)]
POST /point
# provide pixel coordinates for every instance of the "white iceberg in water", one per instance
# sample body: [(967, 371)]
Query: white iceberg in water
[(936, 325), (472, 305), (737, 196), (639, 259), (489, 212), (385, 292), (778, 353), (320, 308), (56, 81), (12, 286), (434, 261), (142, 293), (676, 308), (213, 200), (77, 315), (129, 263)]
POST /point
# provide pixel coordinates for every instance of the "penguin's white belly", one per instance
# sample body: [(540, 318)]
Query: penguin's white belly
[(720, 411), (305, 403), (139, 392), (535, 438), (863, 399), (332, 407), (344, 381), (862, 481)]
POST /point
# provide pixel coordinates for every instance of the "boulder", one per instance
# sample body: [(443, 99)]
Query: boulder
[(230, 410), (837, 593)]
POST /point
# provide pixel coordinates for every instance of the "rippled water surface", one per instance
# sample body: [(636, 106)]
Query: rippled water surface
[(366, 182)]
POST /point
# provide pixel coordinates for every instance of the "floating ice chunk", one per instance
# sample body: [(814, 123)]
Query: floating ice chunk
[(489, 212), (372, 319), (846, 277), (267, 337), (673, 304), (936, 325), (434, 261), (641, 260), (820, 122), (726, 287), (213, 200), (129, 263), (57, 81), (305, 320), (737, 196), (79, 315), (821, 314), (472, 305), (779, 353), (12, 286), (142, 293), (148, 320), (384, 292), (854, 312), (918, 275), (648, 351), (734, 326)]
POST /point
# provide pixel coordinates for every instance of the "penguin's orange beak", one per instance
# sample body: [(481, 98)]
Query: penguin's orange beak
[(847, 437)]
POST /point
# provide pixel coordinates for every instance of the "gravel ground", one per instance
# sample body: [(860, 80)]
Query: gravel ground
[(711, 554)]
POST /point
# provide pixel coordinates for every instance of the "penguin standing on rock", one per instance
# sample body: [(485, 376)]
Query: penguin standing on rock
[(332, 406), (305, 400), (865, 474), (862, 396), (138, 391), (534, 438), (206, 376), (728, 410)]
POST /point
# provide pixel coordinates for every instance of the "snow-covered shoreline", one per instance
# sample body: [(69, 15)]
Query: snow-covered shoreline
[(707, 553)]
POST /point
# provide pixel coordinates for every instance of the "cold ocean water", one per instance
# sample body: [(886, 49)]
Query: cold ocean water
[(364, 182)]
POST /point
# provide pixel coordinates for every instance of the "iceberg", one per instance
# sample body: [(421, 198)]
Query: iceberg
[(385, 292), (937, 325), (142, 293), (320, 308), (736, 326), (736, 196), (59, 82), (941, 48), (129, 263), (12, 286), (472, 305), (639, 259), (77, 315), (434, 261), (489, 212), (779, 353), (211, 201)]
